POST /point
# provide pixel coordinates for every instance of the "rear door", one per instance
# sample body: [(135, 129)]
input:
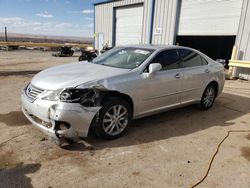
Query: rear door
[(196, 72)]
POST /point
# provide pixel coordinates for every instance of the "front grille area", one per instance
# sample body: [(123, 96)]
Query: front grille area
[(33, 92)]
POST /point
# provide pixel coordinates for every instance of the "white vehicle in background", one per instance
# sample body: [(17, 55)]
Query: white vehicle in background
[(122, 84)]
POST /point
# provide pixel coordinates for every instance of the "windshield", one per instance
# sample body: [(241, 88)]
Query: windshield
[(127, 58)]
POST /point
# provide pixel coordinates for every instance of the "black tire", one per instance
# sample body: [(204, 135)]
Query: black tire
[(119, 125), (208, 97), (71, 52), (83, 58)]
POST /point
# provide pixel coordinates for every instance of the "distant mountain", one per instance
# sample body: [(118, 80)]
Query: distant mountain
[(16, 37)]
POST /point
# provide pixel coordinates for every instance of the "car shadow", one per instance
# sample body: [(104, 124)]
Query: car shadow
[(14, 118), (16, 177), (19, 73), (175, 123)]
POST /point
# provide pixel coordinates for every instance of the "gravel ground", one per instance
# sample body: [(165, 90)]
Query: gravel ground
[(171, 149)]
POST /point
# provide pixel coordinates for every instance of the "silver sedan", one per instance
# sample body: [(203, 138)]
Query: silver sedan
[(125, 83)]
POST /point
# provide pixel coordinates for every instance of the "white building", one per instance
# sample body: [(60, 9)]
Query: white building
[(211, 26)]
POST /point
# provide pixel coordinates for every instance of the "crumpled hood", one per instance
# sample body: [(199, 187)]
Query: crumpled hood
[(73, 74)]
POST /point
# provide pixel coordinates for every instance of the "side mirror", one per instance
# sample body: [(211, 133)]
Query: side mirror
[(154, 67)]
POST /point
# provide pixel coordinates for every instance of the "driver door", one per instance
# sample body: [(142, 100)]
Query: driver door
[(162, 89)]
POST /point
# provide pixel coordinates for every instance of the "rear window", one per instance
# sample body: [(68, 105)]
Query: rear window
[(204, 61), (190, 58)]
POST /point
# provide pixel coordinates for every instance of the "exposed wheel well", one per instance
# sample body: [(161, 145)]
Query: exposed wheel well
[(216, 86), (117, 94)]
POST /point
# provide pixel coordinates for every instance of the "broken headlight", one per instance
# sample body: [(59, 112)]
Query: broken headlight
[(71, 95), (53, 96)]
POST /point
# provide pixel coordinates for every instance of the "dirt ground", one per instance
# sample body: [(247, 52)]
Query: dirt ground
[(171, 149)]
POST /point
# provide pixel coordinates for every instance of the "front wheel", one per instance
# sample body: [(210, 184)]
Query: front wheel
[(114, 118), (208, 97)]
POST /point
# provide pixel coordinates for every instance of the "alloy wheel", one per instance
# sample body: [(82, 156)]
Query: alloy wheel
[(115, 120), (209, 97)]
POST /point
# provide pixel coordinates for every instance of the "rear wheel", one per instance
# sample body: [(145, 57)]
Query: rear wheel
[(208, 97), (114, 118)]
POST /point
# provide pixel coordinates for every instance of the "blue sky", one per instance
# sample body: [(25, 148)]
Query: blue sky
[(48, 17)]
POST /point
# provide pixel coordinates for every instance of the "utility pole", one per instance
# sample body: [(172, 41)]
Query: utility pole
[(6, 37)]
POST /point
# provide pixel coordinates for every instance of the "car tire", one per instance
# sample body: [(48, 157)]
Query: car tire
[(71, 52), (83, 58), (208, 97), (113, 118)]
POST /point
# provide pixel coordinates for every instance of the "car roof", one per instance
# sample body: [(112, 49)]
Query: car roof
[(164, 47), (155, 47)]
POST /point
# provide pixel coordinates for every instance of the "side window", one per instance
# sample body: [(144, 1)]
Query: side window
[(190, 58), (168, 59), (204, 61)]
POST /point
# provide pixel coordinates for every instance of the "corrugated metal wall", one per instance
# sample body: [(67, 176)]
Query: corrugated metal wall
[(104, 18), (164, 20), (209, 17), (243, 40), (243, 37)]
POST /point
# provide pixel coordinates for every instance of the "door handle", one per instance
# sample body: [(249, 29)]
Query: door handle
[(178, 76), (207, 71)]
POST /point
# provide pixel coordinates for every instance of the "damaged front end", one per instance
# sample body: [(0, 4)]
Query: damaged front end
[(66, 113)]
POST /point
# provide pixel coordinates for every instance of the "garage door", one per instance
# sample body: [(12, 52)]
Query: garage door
[(129, 25), (209, 17)]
